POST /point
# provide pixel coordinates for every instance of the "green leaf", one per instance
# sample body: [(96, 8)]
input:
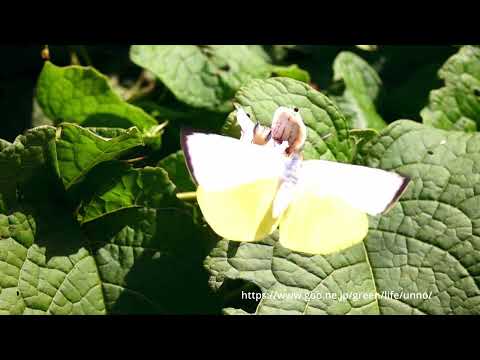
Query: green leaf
[(153, 136), (24, 161), (79, 149), (150, 261), (362, 137), (260, 51), (327, 128), (288, 279), (38, 116), (49, 271), (106, 132), (423, 257), (166, 106), (362, 85), (82, 95), (456, 106), (175, 165), (429, 242), (147, 187), (142, 259), (292, 71), (36, 278), (148, 249), (202, 76), (281, 52), (34, 282)]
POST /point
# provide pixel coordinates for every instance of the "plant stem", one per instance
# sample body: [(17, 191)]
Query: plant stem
[(137, 91), (192, 195), (84, 53), (135, 159), (74, 58)]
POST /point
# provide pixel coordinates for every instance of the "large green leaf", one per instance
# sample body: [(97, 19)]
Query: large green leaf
[(328, 136), (288, 279), (34, 278), (140, 251), (82, 95), (79, 149), (362, 85), (260, 51), (202, 76), (457, 105), (423, 257), (281, 52), (148, 249), (33, 282), (147, 187), (25, 160)]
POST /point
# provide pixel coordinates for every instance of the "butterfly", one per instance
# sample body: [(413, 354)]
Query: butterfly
[(249, 187)]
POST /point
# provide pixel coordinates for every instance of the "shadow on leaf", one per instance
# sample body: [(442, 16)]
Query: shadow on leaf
[(151, 261), (107, 120)]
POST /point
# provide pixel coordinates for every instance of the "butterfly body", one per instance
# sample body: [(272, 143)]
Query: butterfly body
[(288, 185), (287, 125)]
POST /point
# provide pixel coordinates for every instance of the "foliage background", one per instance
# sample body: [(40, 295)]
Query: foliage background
[(109, 235), (401, 68)]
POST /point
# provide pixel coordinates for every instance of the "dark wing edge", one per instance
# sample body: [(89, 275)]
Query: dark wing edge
[(184, 134), (398, 194)]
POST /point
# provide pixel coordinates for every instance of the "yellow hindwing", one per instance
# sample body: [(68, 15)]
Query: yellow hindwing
[(321, 225), (243, 212)]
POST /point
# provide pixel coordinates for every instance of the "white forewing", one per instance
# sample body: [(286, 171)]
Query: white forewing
[(246, 125), (219, 162), (368, 189)]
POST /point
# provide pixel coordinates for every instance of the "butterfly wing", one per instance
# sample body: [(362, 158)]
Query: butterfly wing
[(246, 125), (237, 183), (321, 225), (371, 190), (329, 211)]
